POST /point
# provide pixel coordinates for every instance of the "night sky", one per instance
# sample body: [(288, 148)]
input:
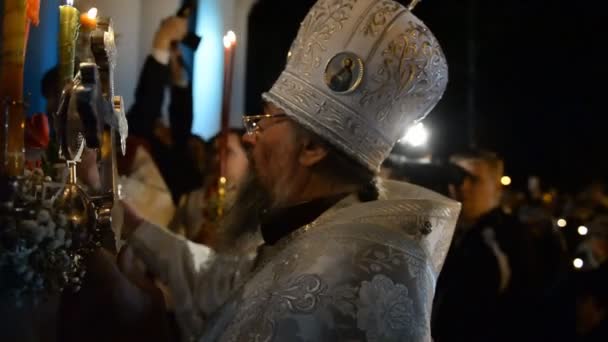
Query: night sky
[(538, 70)]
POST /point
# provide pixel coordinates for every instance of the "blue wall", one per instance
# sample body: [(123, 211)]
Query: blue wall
[(208, 69), (41, 53)]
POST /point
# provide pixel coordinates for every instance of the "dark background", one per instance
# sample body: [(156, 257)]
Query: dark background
[(527, 79)]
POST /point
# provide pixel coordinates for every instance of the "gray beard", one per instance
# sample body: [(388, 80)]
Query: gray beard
[(240, 226)]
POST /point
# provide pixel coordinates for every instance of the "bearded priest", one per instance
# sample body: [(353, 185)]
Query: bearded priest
[(344, 257)]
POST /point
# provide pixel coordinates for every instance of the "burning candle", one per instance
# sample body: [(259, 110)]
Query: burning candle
[(229, 49), (68, 33), (88, 21)]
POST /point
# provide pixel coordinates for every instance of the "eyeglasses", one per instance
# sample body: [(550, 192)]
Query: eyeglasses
[(252, 122)]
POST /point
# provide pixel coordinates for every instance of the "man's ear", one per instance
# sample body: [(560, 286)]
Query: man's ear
[(311, 153)]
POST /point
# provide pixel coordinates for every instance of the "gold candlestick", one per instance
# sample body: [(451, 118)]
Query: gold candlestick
[(68, 34), (12, 118)]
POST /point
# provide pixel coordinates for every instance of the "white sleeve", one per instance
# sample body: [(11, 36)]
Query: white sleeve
[(161, 56), (180, 264)]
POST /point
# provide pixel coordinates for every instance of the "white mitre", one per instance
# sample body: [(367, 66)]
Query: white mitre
[(358, 73)]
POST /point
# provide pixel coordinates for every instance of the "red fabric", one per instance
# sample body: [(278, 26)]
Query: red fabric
[(37, 132), (32, 11)]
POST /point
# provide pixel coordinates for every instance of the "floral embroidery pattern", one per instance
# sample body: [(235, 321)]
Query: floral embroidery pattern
[(387, 259), (380, 17), (344, 299), (323, 20), (412, 68), (343, 279), (385, 312), (265, 307), (301, 295)]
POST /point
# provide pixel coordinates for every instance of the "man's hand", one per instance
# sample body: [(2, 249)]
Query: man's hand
[(131, 220), (88, 171), (170, 30)]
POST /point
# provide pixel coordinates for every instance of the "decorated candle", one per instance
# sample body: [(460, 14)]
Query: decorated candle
[(68, 34), (12, 118), (13, 49)]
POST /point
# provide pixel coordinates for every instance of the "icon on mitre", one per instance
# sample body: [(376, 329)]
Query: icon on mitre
[(344, 73)]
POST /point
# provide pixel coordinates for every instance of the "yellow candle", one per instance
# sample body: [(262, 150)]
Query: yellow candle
[(68, 33), (12, 119), (13, 49)]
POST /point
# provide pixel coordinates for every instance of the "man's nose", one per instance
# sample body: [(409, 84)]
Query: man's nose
[(249, 139)]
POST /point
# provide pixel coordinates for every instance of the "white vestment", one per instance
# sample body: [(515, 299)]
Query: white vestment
[(361, 271)]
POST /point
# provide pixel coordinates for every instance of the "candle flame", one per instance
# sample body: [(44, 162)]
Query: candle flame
[(92, 13), (70, 2), (229, 39)]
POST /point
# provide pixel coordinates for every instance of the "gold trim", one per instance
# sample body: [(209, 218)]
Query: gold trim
[(378, 19), (412, 5), (380, 39), (336, 103), (359, 22)]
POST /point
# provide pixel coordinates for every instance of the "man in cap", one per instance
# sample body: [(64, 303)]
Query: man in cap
[(341, 259)]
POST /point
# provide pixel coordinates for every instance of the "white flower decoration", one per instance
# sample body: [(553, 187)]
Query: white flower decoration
[(43, 216), (60, 235), (36, 258)]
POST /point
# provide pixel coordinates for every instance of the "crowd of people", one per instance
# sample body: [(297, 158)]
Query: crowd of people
[(524, 264), (521, 265)]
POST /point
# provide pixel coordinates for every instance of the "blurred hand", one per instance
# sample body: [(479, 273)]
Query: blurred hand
[(131, 220), (87, 169), (171, 29), (133, 268), (112, 306)]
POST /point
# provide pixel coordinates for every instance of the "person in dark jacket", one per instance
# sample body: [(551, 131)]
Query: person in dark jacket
[(483, 285), (170, 147)]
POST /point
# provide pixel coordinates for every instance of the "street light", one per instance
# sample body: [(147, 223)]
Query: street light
[(416, 136)]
